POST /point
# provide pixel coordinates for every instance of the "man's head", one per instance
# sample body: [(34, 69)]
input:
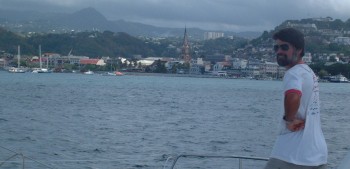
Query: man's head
[(289, 46)]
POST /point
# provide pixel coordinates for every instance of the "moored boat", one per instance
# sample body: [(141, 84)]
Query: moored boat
[(116, 73), (338, 79), (18, 69), (109, 74), (89, 72), (40, 70)]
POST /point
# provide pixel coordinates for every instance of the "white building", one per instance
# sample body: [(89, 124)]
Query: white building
[(196, 69), (342, 40), (170, 64), (238, 63), (199, 66), (147, 61), (269, 68), (213, 35), (2, 62), (198, 61), (333, 56), (74, 59), (307, 58)]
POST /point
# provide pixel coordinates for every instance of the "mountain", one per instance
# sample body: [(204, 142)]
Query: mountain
[(85, 19), (89, 19)]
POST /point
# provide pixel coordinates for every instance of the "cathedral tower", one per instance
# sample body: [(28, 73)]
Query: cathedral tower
[(185, 54)]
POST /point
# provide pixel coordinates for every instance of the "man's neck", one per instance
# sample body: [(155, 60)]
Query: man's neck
[(300, 61)]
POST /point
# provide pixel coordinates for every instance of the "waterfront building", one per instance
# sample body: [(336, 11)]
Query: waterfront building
[(219, 69), (254, 63), (147, 61), (52, 58), (73, 60), (196, 69), (269, 69), (253, 68), (250, 72), (198, 61), (280, 72), (207, 66), (238, 63), (2, 62), (198, 66), (99, 62), (58, 60), (170, 65)]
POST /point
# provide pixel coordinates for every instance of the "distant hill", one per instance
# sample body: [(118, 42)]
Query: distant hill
[(9, 42), (92, 44), (89, 19)]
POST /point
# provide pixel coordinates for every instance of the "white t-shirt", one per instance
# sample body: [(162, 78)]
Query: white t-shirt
[(308, 146)]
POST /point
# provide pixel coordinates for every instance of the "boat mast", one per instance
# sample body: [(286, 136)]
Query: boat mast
[(40, 56), (47, 62), (18, 56)]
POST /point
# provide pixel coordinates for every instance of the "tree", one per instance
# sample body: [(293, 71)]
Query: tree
[(337, 24), (139, 65), (322, 73), (125, 64), (336, 68), (347, 24), (160, 67), (174, 68), (332, 59), (334, 47)]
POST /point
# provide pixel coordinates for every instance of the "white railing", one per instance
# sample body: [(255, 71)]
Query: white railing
[(23, 161), (240, 159)]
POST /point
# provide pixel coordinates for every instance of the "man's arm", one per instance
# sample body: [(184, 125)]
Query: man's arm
[(291, 106)]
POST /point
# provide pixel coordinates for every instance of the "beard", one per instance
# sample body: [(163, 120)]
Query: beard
[(283, 60)]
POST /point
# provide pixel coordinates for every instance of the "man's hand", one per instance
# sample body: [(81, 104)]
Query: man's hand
[(296, 125)]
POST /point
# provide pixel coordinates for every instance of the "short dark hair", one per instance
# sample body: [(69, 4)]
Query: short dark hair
[(292, 36)]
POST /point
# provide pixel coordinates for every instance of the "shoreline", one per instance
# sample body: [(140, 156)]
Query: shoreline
[(173, 75)]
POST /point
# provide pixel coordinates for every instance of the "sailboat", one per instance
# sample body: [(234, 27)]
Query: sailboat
[(113, 73), (41, 69), (17, 69)]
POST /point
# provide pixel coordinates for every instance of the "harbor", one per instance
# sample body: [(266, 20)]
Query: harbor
[(71, 120)]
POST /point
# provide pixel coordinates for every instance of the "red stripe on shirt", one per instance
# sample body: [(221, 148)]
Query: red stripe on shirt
[(298, 92)]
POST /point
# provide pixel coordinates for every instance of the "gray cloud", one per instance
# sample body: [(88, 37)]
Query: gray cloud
[(234, 15)]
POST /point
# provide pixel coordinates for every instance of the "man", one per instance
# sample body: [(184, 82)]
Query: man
[(300, 143)]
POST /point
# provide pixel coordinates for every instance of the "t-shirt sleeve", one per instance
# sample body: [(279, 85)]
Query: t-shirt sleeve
[(292, 83)]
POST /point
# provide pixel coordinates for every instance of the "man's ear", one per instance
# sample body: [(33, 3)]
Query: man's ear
[(299, 51)]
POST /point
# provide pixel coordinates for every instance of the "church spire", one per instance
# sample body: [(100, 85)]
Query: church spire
[(185, 55)]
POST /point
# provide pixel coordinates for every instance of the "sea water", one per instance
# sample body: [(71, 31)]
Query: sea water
[(78, 121)]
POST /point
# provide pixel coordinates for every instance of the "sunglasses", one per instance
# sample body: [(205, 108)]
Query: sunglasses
[(284, 47)]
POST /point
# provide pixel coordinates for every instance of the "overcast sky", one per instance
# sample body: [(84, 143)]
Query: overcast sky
[(231, 15)]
